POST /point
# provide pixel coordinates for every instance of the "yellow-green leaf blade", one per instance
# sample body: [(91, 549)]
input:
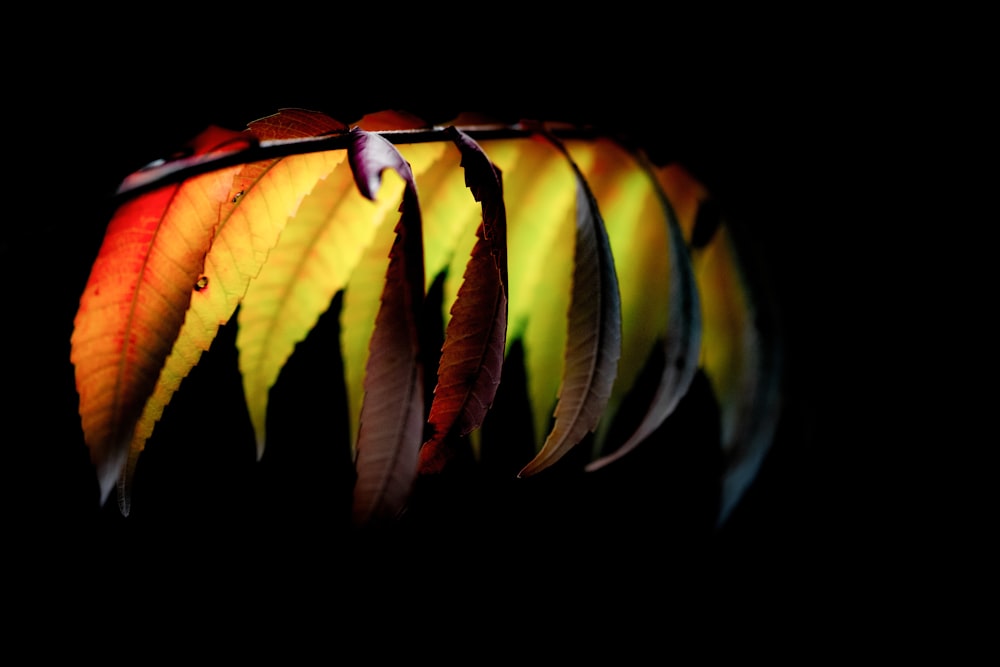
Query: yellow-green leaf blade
[(593, 344), (314, 258), (363, 290), (447, 212), (540, 195), (312, 261)]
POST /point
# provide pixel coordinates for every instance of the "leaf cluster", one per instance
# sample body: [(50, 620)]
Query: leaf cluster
[(563, 244)]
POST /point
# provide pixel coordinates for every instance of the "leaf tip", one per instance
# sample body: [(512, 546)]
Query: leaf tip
[(109, 470)]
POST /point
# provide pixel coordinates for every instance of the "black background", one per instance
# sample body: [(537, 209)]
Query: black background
[(773, 145)]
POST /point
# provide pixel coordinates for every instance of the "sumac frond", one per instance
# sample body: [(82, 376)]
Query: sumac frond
[(555, 237)]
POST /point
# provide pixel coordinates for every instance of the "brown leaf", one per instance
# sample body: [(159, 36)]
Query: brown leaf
[(392, 413)]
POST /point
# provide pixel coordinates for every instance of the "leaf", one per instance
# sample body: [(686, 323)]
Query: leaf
[(389, 120), (442, 219), (447, 213), (315, 257), (638, 233), (475, 338), (294, 124), (133, 305), (741, 340), (364, 288), (392, 413), (360, 305), (263, 196), (681, 342), (311, 261), (273, 225), (593, 337), (540, 196)]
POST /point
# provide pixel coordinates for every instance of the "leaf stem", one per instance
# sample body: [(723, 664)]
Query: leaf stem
[(160, 173)]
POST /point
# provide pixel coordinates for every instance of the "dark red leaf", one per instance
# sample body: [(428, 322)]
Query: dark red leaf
[(473, 350)]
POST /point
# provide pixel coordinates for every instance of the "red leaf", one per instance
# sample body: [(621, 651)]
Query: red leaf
[(390, 120), (392, 413), (294, 124), (473, 350)]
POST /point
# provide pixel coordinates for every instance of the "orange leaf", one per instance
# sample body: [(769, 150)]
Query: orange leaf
[(263, 196), (132, 308), (473, 350)]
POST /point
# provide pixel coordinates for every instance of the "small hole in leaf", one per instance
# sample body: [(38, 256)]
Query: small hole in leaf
[(201, 284), (237, 196)]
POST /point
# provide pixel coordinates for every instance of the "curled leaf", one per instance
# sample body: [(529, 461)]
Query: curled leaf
[(392, 413), (475, 338)]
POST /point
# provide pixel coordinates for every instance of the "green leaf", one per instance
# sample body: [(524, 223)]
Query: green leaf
[(540, 195), (593, 344)]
